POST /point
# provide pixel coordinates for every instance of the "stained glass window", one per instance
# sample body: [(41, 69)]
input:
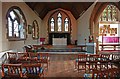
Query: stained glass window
[(35, 30), (16, 24), (52, 24), (110, 13), (66, 24), (59, 22)]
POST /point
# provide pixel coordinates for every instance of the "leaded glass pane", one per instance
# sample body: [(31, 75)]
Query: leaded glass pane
[(20, 15), (66, 24), (12, 15), (21, 30), (10, 27), (59, 21), (16, 32), (109, 13), (114, 13), (104, 17), (52, 24)]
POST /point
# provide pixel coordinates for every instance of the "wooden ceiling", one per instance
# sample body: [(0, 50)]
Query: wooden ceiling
[(76, 8)]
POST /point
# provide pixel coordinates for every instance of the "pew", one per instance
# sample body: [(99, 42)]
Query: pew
[(22, 71)]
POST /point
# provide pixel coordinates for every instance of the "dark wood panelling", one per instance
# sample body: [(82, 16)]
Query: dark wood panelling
[(76, 8)]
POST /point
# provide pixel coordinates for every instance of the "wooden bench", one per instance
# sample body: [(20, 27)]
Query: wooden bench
[(104, 45), (12, 71), (12, 57), (81, 62), (36, 58), (97, 61), (113, 73), (33, 70), (20, 71)]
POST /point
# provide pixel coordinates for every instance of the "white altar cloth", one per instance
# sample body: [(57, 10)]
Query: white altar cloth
[(59, 41)]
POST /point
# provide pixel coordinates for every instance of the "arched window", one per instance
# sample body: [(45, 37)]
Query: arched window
[(52, 23), (59, 22), (35, 30), (16, 24), (110, 13), (66, 24), (108, 25)]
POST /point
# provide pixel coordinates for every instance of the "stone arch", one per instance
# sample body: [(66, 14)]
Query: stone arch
[(97, 10)]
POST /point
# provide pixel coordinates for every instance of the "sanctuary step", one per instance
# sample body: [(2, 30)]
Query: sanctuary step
[(59, 47)]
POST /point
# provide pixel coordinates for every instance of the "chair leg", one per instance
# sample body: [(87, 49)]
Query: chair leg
[(76, 65)]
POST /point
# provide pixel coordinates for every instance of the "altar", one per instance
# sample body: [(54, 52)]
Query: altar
[(59, 41)]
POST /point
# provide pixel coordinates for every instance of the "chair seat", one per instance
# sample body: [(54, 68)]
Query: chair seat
[(80, 61), (6, 71), (88, 76)]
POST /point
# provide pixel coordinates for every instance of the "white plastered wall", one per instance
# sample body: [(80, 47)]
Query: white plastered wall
[(0, 26), (83, 26)]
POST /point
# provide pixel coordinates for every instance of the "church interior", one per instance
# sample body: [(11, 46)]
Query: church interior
[(61, 40)]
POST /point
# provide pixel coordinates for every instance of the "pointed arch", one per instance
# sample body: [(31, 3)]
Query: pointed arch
[(59, 26), (94, 19), (16, 24), (98, 9)]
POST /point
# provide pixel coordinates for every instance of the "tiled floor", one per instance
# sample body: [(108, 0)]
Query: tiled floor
[(63, 66)]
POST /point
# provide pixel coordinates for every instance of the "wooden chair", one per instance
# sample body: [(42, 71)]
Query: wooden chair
[(93, 61), (115, 61), (105, 61), (82, 59), (34, 71), (12, 57), (22, 57), (12, 71), (39, 58), (44, 58), (32, 55), (112, 73), (28, 48)]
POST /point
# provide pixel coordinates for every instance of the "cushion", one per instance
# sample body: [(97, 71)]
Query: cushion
[(39, 70)]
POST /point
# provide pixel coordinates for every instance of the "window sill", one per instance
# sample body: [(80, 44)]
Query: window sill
[(16, 39)]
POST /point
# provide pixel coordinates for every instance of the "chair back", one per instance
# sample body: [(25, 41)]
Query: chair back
[(12, 56), (22, 55), (32, 55), (105, 57), (12, 70), (33, 70), (112, 73), (115, 56), (82, 57), (93, 57)]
